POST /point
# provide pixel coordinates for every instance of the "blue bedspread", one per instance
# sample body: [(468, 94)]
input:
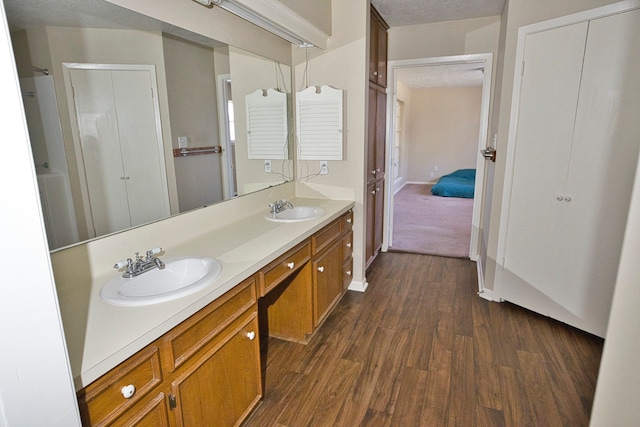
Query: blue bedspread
[(460, 183)]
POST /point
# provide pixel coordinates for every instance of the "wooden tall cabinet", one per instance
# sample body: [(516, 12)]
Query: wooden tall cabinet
[(376, 138)]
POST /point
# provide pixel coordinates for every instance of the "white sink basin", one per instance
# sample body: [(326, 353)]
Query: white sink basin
[(296, 214), (180, 277)]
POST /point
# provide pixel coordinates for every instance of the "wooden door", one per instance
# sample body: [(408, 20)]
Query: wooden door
[(372, 133)]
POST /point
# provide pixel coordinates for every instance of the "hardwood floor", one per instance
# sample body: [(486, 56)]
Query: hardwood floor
[(420, 348)]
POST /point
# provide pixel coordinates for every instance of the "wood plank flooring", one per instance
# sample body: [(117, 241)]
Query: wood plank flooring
[(420, 348)]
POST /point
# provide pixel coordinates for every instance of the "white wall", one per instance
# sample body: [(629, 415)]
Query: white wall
[(342, 65), (442, 131), (35, 381), (191, 92)]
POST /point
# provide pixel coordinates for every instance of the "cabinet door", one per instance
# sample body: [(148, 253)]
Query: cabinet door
[(381, 131), (373, 49), (327, 281), (152, 413), (374, 217), (372, 133), (221, 387), (381, 65)]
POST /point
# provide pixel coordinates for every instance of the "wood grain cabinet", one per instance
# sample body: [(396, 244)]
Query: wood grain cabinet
[(207, 370), (376, 135)]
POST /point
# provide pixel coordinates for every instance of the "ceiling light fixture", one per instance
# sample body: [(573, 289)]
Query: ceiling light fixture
[(259, 20)]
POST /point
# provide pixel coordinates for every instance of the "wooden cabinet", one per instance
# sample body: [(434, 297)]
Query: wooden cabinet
[(209, 362), (376, 136), (374, 218), (378, 49), (209, 366)]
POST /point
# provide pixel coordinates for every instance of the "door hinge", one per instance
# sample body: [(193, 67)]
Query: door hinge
[(172, 402)]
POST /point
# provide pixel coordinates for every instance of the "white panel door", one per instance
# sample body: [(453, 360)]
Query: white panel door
[(573, 169), (548, 97), (101, 152), (121, 148), (142, 157), (603, 163)]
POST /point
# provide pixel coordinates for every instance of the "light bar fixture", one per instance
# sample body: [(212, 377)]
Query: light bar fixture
[(257, 19)]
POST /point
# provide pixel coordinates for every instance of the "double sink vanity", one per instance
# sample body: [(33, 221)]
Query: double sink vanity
[(191, 353)]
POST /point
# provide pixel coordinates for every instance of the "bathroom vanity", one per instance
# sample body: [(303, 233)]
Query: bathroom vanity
[(200, 360)]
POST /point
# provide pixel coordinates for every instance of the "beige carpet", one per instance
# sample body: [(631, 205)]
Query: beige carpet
[(432, 225)]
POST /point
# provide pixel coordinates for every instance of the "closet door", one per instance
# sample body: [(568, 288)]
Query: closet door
[(602, 168), (577, 143), (142, 155), (101, 152), (548, 96)]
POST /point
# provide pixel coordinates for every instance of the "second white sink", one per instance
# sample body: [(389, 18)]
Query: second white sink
[(180, 277), (296, 214)]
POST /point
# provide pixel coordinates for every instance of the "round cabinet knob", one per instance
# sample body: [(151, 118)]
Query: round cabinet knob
[(373, 191), (567, 199), (291, 265), (348, 245), (559, 198), (128, 391), (349, 221), (349, 273), (373, 172), (321, 269), (375, 73), (251, 335)]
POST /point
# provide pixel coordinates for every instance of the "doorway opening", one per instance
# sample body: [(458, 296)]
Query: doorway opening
[(446, 92)]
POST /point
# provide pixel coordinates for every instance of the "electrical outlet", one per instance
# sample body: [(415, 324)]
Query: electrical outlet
[(267, 166), (435, 168), (182, 142), (324, 168)]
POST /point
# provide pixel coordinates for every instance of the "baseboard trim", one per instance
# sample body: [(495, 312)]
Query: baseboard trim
[(482, 292), (358, 286)]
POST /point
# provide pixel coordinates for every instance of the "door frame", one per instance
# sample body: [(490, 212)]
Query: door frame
[(523, 32), (485, 60), (228, 166), (75, 132)]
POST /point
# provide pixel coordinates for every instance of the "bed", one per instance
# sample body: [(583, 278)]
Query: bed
[(460, 183)]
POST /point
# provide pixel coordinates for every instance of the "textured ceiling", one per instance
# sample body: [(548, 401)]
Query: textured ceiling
[(398, 13)]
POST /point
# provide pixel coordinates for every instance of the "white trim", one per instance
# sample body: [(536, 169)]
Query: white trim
[(358, 286), (223, 134), (523, 32), (285, 18), (84, 191), (486, 60), (482, 292)]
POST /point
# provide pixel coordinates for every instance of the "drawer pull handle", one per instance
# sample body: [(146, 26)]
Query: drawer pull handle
[(349, 273), (349, 221), (251, 335), (291, 265), (321, 269), (128, 391), (348, 245)]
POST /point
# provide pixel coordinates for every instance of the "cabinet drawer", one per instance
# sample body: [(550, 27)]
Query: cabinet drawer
[(347, 221), (324, 237), (347, 273), (347, 245), (102, 401), (280, 269), (194, 333)]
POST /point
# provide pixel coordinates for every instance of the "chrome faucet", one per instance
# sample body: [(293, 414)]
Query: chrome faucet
[(278, 206), (139, 265)]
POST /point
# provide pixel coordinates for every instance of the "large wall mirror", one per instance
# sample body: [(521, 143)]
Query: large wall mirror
[(132, 120)]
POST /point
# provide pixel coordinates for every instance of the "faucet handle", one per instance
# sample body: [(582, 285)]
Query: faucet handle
[(153, 251), (120, 264)]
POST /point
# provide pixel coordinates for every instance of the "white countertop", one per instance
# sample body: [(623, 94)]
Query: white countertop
[(101, 335)]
